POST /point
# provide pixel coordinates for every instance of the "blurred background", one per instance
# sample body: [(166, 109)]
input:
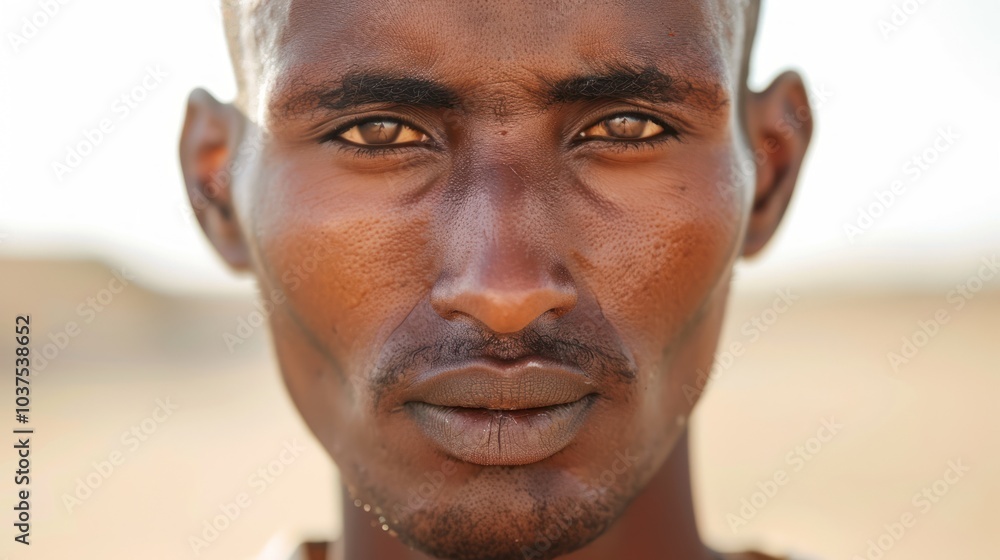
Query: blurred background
[(871, 391)]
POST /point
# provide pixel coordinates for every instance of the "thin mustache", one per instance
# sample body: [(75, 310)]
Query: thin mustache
[(598, 362)]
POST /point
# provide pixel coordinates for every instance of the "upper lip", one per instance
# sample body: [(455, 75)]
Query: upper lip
[(495, 385)]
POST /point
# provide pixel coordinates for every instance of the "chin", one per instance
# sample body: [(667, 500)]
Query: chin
[(510, 513)]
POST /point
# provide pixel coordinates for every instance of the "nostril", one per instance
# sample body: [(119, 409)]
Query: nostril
[(557, 311)]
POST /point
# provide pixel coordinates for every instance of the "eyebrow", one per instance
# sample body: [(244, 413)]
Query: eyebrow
[(358, 88), (645, 84)]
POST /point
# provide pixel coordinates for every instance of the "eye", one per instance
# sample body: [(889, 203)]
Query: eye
[(624, 127), (382, 132)]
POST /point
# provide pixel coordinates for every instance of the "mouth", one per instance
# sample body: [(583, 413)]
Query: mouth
[(501, 414)]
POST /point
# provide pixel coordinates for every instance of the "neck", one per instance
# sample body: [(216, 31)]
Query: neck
[(659, 523)]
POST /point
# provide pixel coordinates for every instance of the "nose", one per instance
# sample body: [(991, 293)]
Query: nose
[(505, 290), (499, 266)]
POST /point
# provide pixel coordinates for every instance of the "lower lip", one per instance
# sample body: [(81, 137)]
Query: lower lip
[(501, 437)]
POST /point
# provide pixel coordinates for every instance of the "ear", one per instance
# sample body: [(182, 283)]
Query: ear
[(208, 148), (779, 126)]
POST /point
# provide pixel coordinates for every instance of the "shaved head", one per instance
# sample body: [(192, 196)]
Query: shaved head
[(253, 30)]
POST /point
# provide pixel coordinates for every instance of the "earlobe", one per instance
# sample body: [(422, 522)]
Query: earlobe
[(779, 126), (208, 147)]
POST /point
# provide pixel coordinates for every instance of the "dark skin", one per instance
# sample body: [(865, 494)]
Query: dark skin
[(421, 186)]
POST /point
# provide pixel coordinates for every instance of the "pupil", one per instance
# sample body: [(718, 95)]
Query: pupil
[(379, 132)]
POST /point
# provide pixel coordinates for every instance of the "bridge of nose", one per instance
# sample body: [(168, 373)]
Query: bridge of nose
[(500, 266)]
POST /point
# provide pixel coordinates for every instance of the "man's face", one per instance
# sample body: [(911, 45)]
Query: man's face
[(505, 233)]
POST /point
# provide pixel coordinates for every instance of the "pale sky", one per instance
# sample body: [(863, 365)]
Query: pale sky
[(880, 101)]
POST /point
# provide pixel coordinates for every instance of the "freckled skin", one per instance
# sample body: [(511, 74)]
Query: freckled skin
[(505, 229)]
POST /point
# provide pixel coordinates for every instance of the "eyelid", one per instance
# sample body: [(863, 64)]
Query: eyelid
[(362, 150)]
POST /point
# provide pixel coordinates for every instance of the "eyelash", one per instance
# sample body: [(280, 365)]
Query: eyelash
[(669, 133)]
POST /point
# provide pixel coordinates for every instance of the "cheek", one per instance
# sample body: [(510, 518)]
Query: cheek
[(351, 269), (668, 235)]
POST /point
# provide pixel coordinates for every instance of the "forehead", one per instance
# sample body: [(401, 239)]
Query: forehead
[(475, 45)]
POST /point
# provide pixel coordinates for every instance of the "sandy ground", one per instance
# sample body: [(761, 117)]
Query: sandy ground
[(209, 424)]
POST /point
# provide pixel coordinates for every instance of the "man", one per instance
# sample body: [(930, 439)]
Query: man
[(498, 237)]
